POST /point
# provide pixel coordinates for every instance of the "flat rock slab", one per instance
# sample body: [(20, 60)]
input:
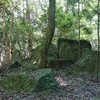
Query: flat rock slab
[(42, 72), (59, 63), (45, 80)]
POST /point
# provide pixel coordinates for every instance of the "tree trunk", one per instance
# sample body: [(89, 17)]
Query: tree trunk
[(6, 39), (49, 33), (79, 28), (29, 32), (98, 32)]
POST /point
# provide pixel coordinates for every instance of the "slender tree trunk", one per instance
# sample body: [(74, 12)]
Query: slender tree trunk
[(0, 56), (8, 54), (6, 40), (4, 21), (29, 31), (49, 33), (67, 6), (98, 32), (79, 28), (12, 46)]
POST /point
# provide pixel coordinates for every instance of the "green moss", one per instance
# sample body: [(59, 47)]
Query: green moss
[(47, 82), (18, 83), (67, 52), (87, 63)]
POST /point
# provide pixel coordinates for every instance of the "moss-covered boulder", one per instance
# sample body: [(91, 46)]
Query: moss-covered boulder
[(68, 49), (60, 63), (86, 63), (47, 82)]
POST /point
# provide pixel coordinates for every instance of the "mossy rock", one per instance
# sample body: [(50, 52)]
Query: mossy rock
[(47, 82), (68, 49), (42, 72), (60, 63), (86, 63)]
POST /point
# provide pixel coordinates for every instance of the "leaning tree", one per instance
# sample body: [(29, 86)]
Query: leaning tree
[(49, 33)]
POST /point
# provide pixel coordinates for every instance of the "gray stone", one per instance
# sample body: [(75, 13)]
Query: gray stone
[(42, 72)]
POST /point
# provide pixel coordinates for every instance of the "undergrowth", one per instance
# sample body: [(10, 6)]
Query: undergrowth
[(18, 83), (87, 63)]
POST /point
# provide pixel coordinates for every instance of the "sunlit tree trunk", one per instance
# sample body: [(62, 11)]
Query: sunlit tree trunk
[(0, 57), (7, 32), (12, 45), (8, 54), (29, 32), (6, 40), (49, 34), (4, 21)]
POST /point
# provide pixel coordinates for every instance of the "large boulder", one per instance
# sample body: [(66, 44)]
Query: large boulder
[(87, 63), (42, 72), (68, 49), (11, 67), (60, 63), (45, 79), (14, 65)]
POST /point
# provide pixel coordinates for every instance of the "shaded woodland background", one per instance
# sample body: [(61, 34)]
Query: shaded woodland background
[(38, 34)]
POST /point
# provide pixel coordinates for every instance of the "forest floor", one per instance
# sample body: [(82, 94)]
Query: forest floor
[(79, 87)]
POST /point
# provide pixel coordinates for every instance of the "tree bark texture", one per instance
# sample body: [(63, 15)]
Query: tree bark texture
[(49, 34)]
